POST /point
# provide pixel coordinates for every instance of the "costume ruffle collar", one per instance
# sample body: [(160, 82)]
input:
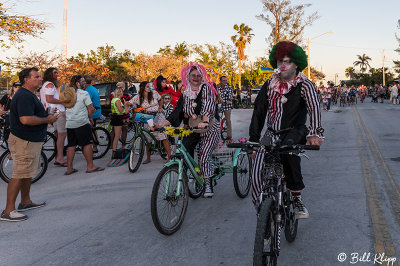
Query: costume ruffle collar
[(283, 87)]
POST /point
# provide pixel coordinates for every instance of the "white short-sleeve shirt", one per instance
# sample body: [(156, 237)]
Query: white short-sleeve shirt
[(77, 116)]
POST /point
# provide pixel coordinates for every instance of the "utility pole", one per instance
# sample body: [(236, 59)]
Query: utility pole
[(383, 66), (65, 36)]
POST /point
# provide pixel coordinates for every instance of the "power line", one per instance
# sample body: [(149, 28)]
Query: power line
[(353, 47)]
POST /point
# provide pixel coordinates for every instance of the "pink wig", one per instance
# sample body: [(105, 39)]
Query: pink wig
[(199, 67)]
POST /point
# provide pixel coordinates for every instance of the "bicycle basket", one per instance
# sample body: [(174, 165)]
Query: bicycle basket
[(223, 155)]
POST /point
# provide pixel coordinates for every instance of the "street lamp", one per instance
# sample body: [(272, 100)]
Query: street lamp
[(336, 75), (308, 55)]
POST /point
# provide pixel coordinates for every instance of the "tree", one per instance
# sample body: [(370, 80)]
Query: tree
[(362, 62), (350, 72), (181, 51), (166, 51), (13, 28), (222, 59), (286, 21), (240, 40)]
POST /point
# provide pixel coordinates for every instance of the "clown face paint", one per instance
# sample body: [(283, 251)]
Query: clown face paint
[(195, 78), (287, 68)]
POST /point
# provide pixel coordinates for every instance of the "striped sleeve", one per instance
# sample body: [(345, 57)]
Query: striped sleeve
[(208, 102), (311, 98)]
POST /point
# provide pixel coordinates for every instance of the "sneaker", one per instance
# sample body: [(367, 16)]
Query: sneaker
[(26, 207), (208, 190), (14, 216), (300, 210)]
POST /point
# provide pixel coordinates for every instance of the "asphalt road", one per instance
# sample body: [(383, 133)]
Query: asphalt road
[(104, 218)]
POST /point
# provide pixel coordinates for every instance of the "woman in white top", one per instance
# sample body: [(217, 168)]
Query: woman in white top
[(152, 101), (49, 95)]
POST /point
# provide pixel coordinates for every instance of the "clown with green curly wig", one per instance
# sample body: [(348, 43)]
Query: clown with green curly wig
[(282, 105)]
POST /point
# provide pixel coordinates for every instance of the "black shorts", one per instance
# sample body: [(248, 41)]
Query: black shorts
[(80, 136), (117, 120)]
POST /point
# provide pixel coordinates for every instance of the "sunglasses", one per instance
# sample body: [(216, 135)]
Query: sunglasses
[(167, 98)]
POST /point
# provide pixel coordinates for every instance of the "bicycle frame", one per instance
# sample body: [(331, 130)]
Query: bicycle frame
[(141, 132)]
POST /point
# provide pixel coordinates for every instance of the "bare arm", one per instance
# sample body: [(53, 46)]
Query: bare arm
[(35, 120), (51, 99), (90, 110)]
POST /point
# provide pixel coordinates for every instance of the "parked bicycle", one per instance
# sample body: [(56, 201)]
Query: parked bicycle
[(6, 160), (171, 189), (276, 210), (101, 144)]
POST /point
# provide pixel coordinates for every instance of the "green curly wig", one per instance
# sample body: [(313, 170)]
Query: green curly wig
[(292, 50)]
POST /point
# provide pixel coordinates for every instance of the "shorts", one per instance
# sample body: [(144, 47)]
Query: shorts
[(26, 157), (80, 136), (117, 120), (59, 125)]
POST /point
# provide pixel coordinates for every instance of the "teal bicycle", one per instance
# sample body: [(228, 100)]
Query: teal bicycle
[(172, 188)]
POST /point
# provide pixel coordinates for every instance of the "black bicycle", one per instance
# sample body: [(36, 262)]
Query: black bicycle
[(101, 144), (6, 160), (276, 210)]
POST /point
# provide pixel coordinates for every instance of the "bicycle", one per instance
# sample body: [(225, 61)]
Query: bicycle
[(6, 160), (101, 144), (276, 210), (223, 128), (172, 190), (140, 141)]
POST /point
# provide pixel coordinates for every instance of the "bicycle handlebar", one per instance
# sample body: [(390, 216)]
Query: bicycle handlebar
[(251, 145)]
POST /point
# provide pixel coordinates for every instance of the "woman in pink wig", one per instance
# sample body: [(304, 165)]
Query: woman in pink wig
[(197, 106)]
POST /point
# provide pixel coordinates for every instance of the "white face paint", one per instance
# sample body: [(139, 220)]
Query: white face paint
[(287, 69)]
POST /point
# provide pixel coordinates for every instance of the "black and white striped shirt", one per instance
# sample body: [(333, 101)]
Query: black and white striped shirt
[(167, 109), (269, 109)]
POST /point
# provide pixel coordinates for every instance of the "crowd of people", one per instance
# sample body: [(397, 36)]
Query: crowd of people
[(198, 102), (349, 94)]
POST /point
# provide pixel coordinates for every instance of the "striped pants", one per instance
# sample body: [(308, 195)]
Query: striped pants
[(291, 170), (208, 143)]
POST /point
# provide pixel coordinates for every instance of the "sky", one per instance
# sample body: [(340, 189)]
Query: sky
[(358, 26)]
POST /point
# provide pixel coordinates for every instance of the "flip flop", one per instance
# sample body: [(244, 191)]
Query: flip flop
[(64, 164), (97, 169), (72, 172)]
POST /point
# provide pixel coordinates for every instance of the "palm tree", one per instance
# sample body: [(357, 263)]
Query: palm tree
[(362, 62), (350, 72), (166, 51), (240, 40), (181, 51)]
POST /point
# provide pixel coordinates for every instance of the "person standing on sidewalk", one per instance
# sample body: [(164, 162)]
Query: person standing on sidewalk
[(51, 97), (28, 125), (79, 130), (226, 93)]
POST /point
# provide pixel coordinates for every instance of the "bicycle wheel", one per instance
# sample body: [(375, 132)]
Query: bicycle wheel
[(136, 156), (50, 146), (6, 166), (265, 243), (242, 175), (131, 133), (223, 129), (195, 188), (167, 208), (101, 141), (291, 221)]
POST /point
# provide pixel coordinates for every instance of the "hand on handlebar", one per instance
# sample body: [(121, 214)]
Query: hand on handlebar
[(314, 140), (202, 125)]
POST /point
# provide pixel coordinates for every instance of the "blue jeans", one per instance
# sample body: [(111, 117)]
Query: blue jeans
[(329, 104)]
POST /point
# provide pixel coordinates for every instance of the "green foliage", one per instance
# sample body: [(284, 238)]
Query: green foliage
[(13, 28), (287, 22), (363, 62)]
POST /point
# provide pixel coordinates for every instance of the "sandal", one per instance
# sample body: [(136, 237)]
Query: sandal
[(64, 164), (72, 172), (97, 169)]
